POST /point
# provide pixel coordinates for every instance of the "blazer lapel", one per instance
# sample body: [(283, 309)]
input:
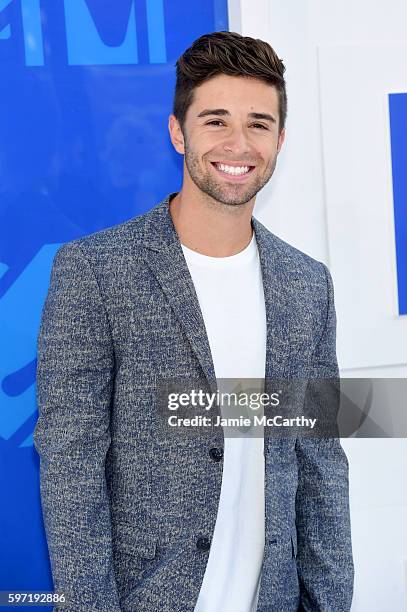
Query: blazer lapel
[(277, 304), (164, 256)]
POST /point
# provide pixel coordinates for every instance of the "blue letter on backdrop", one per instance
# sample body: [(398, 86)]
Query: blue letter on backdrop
[(85, 46), (32, 30)]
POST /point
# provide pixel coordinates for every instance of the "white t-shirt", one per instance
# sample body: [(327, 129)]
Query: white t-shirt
[(230, 294)]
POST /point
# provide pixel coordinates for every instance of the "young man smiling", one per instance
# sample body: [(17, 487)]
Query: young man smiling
[(230, 151), (196, 287)]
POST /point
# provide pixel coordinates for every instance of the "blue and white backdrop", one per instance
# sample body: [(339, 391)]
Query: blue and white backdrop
[(85, 95)]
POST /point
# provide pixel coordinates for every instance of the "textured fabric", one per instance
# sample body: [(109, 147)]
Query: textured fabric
[(124, 506), (230, 295)]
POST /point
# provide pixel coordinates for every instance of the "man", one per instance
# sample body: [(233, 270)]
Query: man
[(194, 288)]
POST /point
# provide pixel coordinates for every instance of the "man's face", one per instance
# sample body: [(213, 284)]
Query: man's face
[(231, 138)]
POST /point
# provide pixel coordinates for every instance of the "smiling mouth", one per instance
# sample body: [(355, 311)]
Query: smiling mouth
[(233, 171)]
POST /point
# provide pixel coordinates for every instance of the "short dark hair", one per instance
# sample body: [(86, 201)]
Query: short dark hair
[(227, 53)]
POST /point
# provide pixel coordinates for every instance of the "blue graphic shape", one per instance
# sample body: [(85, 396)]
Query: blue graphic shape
[(3, 269), (156, 31), (85, 46), (398, 136), (33, 42), (29, 441), (32, 31), (19, 323), (5, 32)]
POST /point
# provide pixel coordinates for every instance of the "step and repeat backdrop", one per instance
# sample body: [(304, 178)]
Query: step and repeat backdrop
[(86, 90)]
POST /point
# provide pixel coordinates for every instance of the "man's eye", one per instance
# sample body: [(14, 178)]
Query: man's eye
[(219, 122)]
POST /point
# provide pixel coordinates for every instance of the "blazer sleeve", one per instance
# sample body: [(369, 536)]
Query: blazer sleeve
[(324, 550), (75, 371)]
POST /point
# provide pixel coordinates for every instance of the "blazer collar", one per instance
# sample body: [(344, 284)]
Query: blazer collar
[(163, 254)]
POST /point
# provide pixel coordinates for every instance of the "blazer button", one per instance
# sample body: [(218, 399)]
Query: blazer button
[(216, 454), (203, 543)]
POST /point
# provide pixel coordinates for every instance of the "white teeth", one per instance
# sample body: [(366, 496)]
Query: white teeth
[(233, 169)]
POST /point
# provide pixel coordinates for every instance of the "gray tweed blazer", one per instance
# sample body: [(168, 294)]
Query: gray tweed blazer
[(129, 515)]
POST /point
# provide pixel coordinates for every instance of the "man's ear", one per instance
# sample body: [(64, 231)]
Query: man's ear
[(176, 135), (281, 139)]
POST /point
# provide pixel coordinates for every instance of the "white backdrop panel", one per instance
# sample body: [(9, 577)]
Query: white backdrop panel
[(354, 85)]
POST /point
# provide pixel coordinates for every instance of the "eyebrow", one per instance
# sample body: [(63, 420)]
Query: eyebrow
[(221, 112)]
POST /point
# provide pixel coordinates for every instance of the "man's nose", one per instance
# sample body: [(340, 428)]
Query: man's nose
[(237, 142)]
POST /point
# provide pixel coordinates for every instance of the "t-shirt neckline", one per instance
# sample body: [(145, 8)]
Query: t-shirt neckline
[(240, 258)]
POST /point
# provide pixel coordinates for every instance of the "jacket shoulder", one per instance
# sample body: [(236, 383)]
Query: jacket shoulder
[(293, 262), (117, 239)]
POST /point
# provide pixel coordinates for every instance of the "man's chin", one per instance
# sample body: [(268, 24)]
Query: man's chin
[(234, 202), (232, 197), (228, 195)]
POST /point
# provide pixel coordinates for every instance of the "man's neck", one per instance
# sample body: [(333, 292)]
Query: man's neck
[(210, 227)]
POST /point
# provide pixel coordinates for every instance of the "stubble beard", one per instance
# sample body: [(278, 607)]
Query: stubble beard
[(228, 194)]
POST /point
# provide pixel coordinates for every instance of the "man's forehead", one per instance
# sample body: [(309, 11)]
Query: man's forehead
[(250, 91)]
